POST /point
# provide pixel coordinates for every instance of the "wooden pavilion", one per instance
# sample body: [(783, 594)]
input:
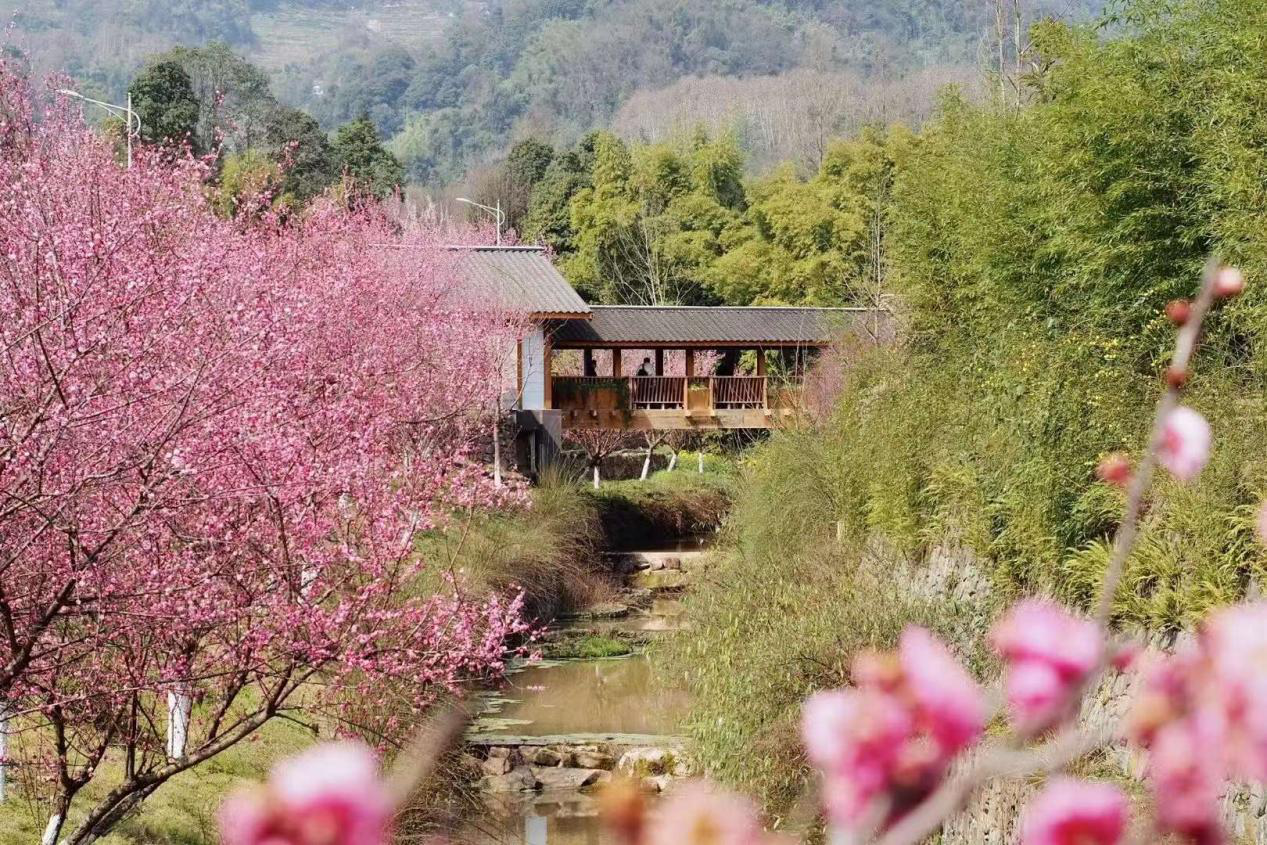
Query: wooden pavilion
[(760, 354)]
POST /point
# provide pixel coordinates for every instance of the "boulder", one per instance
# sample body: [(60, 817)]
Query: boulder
[(658, 783), (642, 762), (587, 759), (547, 757), (570, 779), (664, 579), (496, 766), (521, 779)]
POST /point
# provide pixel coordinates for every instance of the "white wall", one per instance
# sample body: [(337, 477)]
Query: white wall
[(533, 347)]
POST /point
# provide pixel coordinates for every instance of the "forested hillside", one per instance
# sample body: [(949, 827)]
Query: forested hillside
[(454, 82), (1031, 250)]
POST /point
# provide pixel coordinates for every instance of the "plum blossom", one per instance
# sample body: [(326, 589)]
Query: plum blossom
[(1048, 653), (1187, 780), (892, 737), (1075, 812), (949, 700), (701, 814), (1184, 443), (329, 795), (1229, 282)]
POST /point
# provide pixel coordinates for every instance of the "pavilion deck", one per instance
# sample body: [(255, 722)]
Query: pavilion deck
[(674, 402)]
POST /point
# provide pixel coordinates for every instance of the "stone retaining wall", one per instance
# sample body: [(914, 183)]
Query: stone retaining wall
[(992, 819)]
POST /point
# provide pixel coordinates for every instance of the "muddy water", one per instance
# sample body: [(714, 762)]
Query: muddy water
[(612, 695)]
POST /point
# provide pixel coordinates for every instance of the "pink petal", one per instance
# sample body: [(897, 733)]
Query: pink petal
[(950, 701), (1184, 446)]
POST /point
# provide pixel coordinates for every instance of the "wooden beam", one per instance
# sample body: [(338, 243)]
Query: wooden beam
[(659, 362), (760, 361), (587, 363), (615, 363), (690, 362)]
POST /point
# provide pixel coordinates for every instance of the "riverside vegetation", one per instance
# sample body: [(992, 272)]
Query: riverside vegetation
[(550, 550), (1030, 250)]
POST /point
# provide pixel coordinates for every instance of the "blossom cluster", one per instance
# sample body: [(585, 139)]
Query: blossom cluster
[(219, 441)]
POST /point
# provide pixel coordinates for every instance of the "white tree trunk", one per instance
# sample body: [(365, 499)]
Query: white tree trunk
[(596, 477), (52, 831), (646, 466), (701, 463), (673, 462), (4, 754), (179, 709), (497, 453)]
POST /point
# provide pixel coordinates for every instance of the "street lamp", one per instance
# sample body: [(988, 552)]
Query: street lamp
[(130, 117), (497, 212)]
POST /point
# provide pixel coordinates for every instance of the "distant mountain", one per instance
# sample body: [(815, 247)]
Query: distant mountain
[(455, 81)]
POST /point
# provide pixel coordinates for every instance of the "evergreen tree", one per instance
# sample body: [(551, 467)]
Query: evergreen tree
[(360, 155), (164, 99)]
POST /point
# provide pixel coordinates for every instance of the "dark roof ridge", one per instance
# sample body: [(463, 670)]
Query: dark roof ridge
[(746, 307), (496, 247)]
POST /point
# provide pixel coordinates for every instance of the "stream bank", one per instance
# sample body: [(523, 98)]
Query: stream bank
[(561, 727)]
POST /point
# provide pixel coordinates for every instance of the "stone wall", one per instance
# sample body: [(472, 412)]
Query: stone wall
[(991, 819)]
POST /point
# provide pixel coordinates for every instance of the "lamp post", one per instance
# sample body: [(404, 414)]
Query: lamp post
[(130, 117), (496, 212)]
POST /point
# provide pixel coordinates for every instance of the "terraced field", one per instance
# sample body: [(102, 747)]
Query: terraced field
[(293, 34)]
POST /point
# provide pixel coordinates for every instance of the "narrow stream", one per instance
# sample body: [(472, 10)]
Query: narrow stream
[(582, 700)]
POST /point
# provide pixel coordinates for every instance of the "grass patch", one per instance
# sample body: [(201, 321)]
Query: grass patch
[(667, 505), (588, 647)]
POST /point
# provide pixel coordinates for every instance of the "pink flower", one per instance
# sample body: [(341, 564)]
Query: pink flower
[(1184, 444), (1049, 654), (851, 729), (950, 703), (1234, 642), (700, 814), (896, 733), (329, 795), (1229, 282), (1187, 780), (1075, 812)]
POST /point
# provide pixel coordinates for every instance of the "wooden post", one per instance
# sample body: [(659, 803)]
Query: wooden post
[(659, 362), (761, 375), (615, 363), (587, 363), (689, 371)]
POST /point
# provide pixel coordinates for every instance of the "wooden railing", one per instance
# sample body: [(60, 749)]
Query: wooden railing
[(649, 393), (734, 392), (653, 393)]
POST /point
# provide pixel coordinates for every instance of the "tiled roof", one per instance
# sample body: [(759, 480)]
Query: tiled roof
[(630, 325), (520, 278)]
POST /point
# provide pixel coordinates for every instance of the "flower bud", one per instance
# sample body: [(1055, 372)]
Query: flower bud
[(1228, 282), (1114, 469), (1176, 377), (1178, 311)]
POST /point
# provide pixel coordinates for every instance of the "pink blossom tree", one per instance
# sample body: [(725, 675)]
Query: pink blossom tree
[(218, 441)]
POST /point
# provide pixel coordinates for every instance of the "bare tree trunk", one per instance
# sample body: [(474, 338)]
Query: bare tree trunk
[(673, 461), (646, 464), (597, 479), (701, 463)]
